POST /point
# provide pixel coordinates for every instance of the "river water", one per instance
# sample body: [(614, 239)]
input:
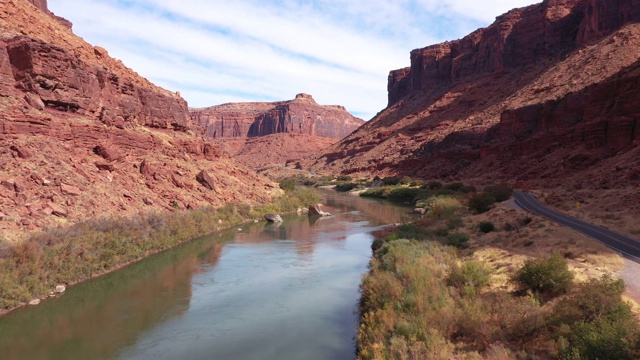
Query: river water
[(260, 291)]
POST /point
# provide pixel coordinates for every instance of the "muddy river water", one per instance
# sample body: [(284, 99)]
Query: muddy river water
[(257, 291)]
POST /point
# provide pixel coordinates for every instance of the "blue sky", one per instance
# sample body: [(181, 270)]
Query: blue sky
[(218, 51)]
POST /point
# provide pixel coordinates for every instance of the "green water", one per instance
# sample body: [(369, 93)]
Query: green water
[(262, 292)]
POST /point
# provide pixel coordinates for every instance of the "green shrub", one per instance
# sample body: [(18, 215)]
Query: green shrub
[(500, 192), (390, 181), (467, 189), (481, 202), (405, 180), (458, 240), (344, 178), (405, 195), (594, 322), (470, 273), (345, 187), (454, 186), (546, 276), (287, 185), (379, 192), (486, 226), (433, 185)]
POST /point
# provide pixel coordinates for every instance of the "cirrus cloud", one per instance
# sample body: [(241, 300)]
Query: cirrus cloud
[(249, 50)]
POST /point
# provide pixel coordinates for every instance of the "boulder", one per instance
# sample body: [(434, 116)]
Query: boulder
[(273, 218), (58, 210), (105, 166), (34, 100), (314, 210), (70, 190), (147, 201), (206, 180), (420, 211), (145, 169), (34, 302), (107, 152), (60, 289), (22, 152)]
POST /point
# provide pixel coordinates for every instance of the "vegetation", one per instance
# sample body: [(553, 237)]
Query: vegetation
[(486, 227), (546, 276), (64, 256), (426, 299)]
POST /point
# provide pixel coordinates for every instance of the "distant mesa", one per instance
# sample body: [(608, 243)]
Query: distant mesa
[(301, 115)]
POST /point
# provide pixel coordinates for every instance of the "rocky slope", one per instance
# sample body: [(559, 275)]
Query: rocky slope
[(545, 95), (83, 136), (263, 133)]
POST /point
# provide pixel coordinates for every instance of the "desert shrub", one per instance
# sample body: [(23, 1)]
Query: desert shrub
[(594, 322), (470, 273), (405, 180), (392, 180), (344, 178), (467, 189), (486, 226), (526, 221), (412, 231), (454, 186), (454, 223), (433, 185), (500, 192), (379, 192), (441, 206), (405, 195), (481, 202), (546, 276), (458, 240), (344, 187), (287, 185)]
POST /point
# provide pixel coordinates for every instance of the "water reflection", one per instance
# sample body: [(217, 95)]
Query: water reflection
[(282, 291)]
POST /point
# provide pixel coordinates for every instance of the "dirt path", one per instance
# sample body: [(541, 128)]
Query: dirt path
[(631, 276)]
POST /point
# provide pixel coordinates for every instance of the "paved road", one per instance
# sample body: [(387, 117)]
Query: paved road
[(627, 246)]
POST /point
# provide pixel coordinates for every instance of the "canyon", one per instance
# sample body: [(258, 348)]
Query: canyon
[(543, 97)]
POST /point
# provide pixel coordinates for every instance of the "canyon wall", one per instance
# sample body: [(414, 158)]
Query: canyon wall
[(545, 93)]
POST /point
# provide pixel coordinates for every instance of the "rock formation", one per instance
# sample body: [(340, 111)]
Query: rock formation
[(262, 133), (83, 136), (544, 94)]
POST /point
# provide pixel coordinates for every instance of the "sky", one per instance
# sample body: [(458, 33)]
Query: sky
[(219, 51)]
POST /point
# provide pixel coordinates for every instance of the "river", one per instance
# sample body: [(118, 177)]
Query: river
[(257, 291)]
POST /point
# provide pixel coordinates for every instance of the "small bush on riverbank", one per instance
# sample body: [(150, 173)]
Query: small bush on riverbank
[(549, 276), (68, 255)]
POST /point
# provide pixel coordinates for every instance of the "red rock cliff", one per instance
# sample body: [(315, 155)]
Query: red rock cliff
[(544, 93), (299, 116), (82, 136)]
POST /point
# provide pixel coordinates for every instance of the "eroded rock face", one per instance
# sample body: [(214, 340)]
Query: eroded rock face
[(299, 116), (82, 136), (63, 82), (544, 95)]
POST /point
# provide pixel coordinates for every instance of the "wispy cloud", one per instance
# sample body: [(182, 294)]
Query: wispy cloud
[(250, 50)]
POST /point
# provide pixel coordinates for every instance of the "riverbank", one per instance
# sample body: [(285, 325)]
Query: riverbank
[(70, 255), (424, 298)]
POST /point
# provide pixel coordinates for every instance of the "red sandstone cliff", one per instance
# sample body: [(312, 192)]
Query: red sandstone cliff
[(264, 133), (83, 136), (546, 93)]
